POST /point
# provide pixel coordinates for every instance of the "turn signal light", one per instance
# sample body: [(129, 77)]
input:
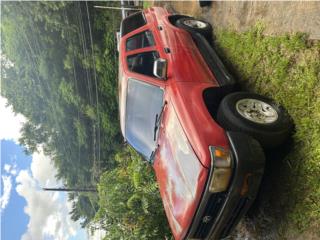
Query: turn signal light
[(222, 171), (220, 157)]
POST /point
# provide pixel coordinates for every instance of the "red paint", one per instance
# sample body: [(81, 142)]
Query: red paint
[(187, 126)]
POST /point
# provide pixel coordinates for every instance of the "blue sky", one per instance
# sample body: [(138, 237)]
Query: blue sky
[(27, 212), (13, 214), (14, 220)]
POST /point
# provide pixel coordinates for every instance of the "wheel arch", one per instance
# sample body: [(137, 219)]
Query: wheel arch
[(174, 18), (213, 96)]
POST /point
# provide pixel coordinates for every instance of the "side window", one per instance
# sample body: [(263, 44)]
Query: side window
[(132, 22), (140, 40), (142, 62)]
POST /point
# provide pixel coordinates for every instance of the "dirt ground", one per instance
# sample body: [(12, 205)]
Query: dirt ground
[(278, 17)]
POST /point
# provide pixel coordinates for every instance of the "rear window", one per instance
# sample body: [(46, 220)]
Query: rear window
[(132, 22), (140, 40)]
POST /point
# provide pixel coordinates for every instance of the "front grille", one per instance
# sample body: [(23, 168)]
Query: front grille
[(234, 217), (209, 215)]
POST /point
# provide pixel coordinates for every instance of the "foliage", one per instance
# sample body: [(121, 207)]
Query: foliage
[(285, 68), (147, 4), (63, 80), (130, 204)]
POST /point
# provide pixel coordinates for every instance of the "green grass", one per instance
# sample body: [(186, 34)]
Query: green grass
[(147, 4), (286, 68)]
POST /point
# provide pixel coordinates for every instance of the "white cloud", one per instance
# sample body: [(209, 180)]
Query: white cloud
[(7, 168), (7, 185), (43, 169), (49, 214), (11, 169), (97, 235), (48, 211), (10, 123)]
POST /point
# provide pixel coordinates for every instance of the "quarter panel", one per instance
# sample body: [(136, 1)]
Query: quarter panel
[(200, 128)]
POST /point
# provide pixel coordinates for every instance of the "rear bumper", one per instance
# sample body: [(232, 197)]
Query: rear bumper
[(219, 213)]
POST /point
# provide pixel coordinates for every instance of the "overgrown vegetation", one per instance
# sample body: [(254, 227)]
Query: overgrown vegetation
[(60, 83), (147, 4), (64, 80), (130, 205), (286, 68)]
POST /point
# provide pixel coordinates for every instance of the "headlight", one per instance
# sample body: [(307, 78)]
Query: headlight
[(222, 171)]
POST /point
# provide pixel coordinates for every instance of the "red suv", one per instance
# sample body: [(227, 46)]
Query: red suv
[(180, 111)]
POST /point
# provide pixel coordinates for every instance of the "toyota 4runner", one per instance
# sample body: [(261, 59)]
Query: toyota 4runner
[(180, 111)]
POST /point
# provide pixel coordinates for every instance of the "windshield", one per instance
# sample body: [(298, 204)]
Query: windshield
[(144, 102)]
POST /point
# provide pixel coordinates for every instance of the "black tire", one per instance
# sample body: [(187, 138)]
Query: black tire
[(205, 31), (269, 135), (204, 3)]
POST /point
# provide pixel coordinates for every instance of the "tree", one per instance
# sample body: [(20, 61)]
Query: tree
[(70, 105), (65, 85)]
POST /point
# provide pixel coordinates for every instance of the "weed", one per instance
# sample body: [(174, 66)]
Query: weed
[(287, 69)]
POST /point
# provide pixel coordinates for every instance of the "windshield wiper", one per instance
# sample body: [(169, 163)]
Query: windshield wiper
[(157, 121), (153, 153)]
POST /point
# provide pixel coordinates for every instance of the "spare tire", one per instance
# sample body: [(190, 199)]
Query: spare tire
[(204, 3), (257, 116)]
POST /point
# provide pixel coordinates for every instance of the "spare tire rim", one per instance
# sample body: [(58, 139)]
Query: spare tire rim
[(256, 111), (195, 23)]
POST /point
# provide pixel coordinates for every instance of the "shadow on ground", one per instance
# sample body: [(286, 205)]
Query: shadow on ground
[(264, 218)]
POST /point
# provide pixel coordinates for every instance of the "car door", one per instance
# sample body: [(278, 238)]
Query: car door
[(141, 51), (184, 62)]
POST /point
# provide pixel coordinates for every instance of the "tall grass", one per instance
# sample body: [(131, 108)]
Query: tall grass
[(286, 68)]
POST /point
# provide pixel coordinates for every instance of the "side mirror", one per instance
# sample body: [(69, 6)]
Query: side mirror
[(160, 68)]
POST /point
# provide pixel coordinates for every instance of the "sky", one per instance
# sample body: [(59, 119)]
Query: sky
[(28, 212)]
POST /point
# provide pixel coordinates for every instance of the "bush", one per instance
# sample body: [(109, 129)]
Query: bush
[(130, 204)]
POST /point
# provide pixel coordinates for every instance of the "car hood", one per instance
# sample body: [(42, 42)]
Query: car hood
[(180, 174)]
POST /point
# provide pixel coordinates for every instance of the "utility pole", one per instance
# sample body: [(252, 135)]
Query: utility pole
[(71, 189)]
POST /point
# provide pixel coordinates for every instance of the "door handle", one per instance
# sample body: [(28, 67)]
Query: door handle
[(167, 50)]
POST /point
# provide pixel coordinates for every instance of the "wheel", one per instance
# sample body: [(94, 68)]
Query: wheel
[(257, 116), (191, 24)]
